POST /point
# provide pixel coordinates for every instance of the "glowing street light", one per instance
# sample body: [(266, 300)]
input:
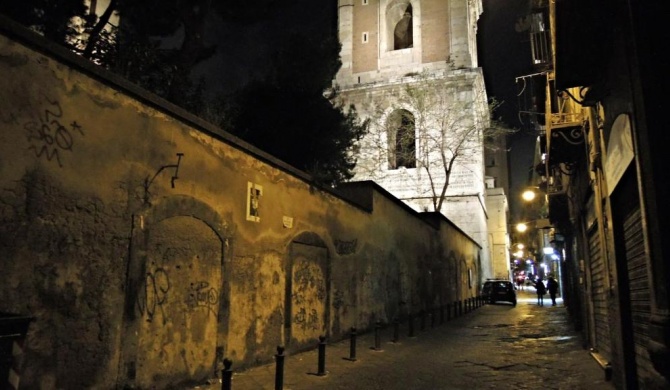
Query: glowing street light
[(528, 195), (521, 227)]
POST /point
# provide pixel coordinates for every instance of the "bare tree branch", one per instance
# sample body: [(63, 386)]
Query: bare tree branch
[(421, 131)]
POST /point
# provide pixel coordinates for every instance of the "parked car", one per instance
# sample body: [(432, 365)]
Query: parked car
[(495, 290)]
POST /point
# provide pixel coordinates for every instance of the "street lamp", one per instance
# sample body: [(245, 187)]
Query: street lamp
[(528, 195)]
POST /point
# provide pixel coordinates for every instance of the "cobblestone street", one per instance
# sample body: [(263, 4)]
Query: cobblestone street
[(494, 347)]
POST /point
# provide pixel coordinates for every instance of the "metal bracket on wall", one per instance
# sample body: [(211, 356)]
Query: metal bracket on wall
[(148, 182)]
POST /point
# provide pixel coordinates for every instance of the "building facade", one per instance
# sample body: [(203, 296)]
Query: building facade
[(603, 140), (410, 67), (499, 240)]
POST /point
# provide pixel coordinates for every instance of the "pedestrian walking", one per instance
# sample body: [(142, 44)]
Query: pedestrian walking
[(541, 290), (552, 286)]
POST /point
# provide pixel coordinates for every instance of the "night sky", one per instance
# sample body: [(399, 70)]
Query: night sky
[(243, 51), (504, 54)]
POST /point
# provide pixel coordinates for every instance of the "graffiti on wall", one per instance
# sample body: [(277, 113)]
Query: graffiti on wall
[(48, 133), (203, 296), (306, 320), (309, 296), (152, 298), (345, 247)]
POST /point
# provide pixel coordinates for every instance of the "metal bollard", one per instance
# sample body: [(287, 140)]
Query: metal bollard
[(396, 330), (460, 308), (433, 317), (448, 311), (227, 375), (378, 327), (423, 320), (322, 356), (441, 314), (279, 373), (352, 345), (410, 322)]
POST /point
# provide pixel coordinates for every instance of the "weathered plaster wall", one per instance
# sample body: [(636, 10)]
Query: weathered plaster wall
[(134, 281)]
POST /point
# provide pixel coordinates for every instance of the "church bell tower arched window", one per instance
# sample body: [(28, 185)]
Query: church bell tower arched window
[(403, 36), (402, 140), (399, 19)]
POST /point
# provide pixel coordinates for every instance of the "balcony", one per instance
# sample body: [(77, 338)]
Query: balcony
[(566, 119), (565, 140)]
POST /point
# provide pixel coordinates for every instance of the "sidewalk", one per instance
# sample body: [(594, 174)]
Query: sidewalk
[(495, 346)]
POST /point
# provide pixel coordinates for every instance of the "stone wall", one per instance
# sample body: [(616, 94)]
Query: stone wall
[(149, 245)]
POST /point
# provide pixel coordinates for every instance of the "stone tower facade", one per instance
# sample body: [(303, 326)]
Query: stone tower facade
[(428, 47)]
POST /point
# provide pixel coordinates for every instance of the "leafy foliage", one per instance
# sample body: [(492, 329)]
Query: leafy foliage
[(160, 42), (50, 18), (287, 115), (303, 129)]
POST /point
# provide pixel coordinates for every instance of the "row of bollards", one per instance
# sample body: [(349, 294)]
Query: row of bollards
[(454, 310)]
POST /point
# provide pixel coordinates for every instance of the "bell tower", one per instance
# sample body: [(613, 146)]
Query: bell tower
[(385, 39), (430, 46)]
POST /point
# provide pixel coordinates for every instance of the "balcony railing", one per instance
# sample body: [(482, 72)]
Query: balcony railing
[(566, 119)]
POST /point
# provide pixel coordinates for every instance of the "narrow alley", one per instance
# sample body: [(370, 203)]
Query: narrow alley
[(493, 347)]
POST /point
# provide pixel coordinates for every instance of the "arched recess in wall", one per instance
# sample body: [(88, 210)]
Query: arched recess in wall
[(401, 139), (440, 282), (426, 285), (400, 18), (307, 296), (463, 275), (177, 294), (452, 271)]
